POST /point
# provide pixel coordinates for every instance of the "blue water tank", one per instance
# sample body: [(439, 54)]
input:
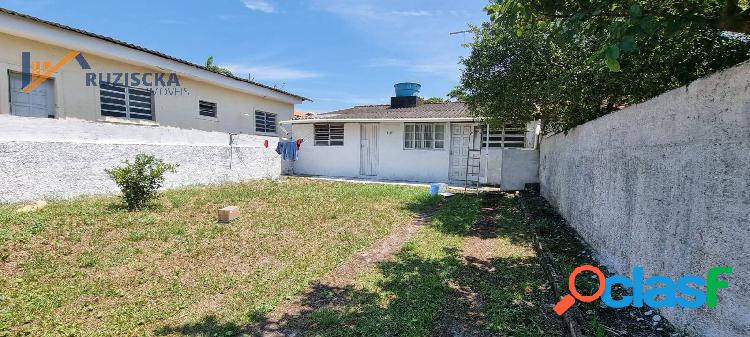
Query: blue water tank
[(407, 89)]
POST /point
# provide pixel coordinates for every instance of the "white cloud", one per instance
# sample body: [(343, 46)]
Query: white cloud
[(412, 13), (271, 73), (446, 67), (259, 5)]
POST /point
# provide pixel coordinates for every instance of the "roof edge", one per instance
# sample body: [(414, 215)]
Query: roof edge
[(145, 50)]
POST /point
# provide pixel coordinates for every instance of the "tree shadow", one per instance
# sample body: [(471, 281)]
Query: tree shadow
[(415, 293)]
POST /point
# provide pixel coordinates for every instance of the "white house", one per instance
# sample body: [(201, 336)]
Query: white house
[(411, 141), (97, 78)]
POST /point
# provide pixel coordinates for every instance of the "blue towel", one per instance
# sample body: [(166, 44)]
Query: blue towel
[(288, 150)]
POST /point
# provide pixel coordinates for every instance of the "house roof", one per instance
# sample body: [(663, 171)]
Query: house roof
[(142, 49), (448, 110)]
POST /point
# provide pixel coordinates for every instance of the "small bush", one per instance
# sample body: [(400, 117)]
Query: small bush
[(140, 181)]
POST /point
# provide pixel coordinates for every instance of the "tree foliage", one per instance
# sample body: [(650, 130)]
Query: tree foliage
[(434, 100), (540, 61), (212, 67), (621, 23)]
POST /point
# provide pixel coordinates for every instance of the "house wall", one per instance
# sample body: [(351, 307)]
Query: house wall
[(509, 168), (395, 163), (666, 185), (51, 158), (76, 100)]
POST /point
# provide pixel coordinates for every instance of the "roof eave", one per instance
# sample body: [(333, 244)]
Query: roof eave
[(33, 28), (379, 120)]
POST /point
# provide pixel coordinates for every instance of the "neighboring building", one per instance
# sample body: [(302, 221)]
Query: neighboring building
[(302, 115), (410, 141), (88, 86)]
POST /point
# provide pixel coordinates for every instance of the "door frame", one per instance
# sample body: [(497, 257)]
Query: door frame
[(476, 131), (53, 100), (376, 167)]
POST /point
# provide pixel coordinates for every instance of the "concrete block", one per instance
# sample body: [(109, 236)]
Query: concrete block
[(229, 213)]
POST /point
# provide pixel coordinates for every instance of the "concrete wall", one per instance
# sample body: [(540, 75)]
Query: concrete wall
[(512, 168), (48, 158), (666, 185), (73, 99)]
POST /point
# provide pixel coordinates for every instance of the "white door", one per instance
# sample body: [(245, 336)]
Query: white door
[(40, 102), (368, 149), (461, 139)]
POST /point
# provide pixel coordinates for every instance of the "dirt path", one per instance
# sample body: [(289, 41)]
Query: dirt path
[(495, 253), (463, 313), (292, 318)]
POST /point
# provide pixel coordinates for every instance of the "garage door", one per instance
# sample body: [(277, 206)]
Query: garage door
[(40, 102)]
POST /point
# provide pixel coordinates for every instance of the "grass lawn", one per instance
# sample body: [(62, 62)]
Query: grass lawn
[(411, 294), (88, 267)]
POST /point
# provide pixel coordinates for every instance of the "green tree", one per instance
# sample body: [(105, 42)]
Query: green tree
[(212, 67), (434, 100), (620, 24), (554, 71)]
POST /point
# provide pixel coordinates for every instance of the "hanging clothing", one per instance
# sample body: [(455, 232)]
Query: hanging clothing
[(288, 150)]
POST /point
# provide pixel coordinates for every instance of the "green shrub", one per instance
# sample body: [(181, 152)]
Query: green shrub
[(140, 181)]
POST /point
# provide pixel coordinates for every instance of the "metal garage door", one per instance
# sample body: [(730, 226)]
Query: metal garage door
[(40, 102)]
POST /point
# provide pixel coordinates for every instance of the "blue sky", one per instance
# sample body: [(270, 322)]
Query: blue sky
[(339, 53)]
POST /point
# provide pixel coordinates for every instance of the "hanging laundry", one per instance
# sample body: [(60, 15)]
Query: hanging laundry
[(299, 143), (265, 143), (288, 150), (279, 147)]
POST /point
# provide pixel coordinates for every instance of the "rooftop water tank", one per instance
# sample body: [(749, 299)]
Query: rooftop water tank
[(407, 89)]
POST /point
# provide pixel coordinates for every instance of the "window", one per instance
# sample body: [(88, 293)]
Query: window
[(425, 136), (329, 134), (126, 102), (265, 122), (207, 109), (508, 136)]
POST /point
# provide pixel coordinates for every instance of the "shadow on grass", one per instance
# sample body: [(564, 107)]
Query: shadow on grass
[(420, 286)]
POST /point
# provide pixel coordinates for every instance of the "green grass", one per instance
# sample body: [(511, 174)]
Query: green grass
[(88, 267), (407, 296), (404, 296)]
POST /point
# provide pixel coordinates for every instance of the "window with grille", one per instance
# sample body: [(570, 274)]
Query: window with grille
[(329, 134), (207, 109), (508, 136), (126, 102), (265, 122), (425, 136)]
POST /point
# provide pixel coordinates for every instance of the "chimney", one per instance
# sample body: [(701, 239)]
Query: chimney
[(406, 95)]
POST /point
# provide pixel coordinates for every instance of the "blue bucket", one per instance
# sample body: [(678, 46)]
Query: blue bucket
[(434, 189)]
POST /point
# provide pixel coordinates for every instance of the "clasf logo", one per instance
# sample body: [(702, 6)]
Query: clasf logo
[(661, 291)]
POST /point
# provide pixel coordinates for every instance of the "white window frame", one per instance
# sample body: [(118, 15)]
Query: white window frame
[(203, 103), (129, 103), (265, 115), (322, 135), (503, 138), (424, 136)]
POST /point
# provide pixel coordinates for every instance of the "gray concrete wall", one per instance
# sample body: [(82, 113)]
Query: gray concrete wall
[(511, 168), (666, 185), (47, 158)]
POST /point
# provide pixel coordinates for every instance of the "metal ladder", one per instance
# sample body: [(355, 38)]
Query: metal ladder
[(473, 167)]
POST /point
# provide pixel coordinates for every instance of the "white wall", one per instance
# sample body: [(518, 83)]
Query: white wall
[(48, 158), (665, 184), (509, 168), (395, 163), (512, 168)]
